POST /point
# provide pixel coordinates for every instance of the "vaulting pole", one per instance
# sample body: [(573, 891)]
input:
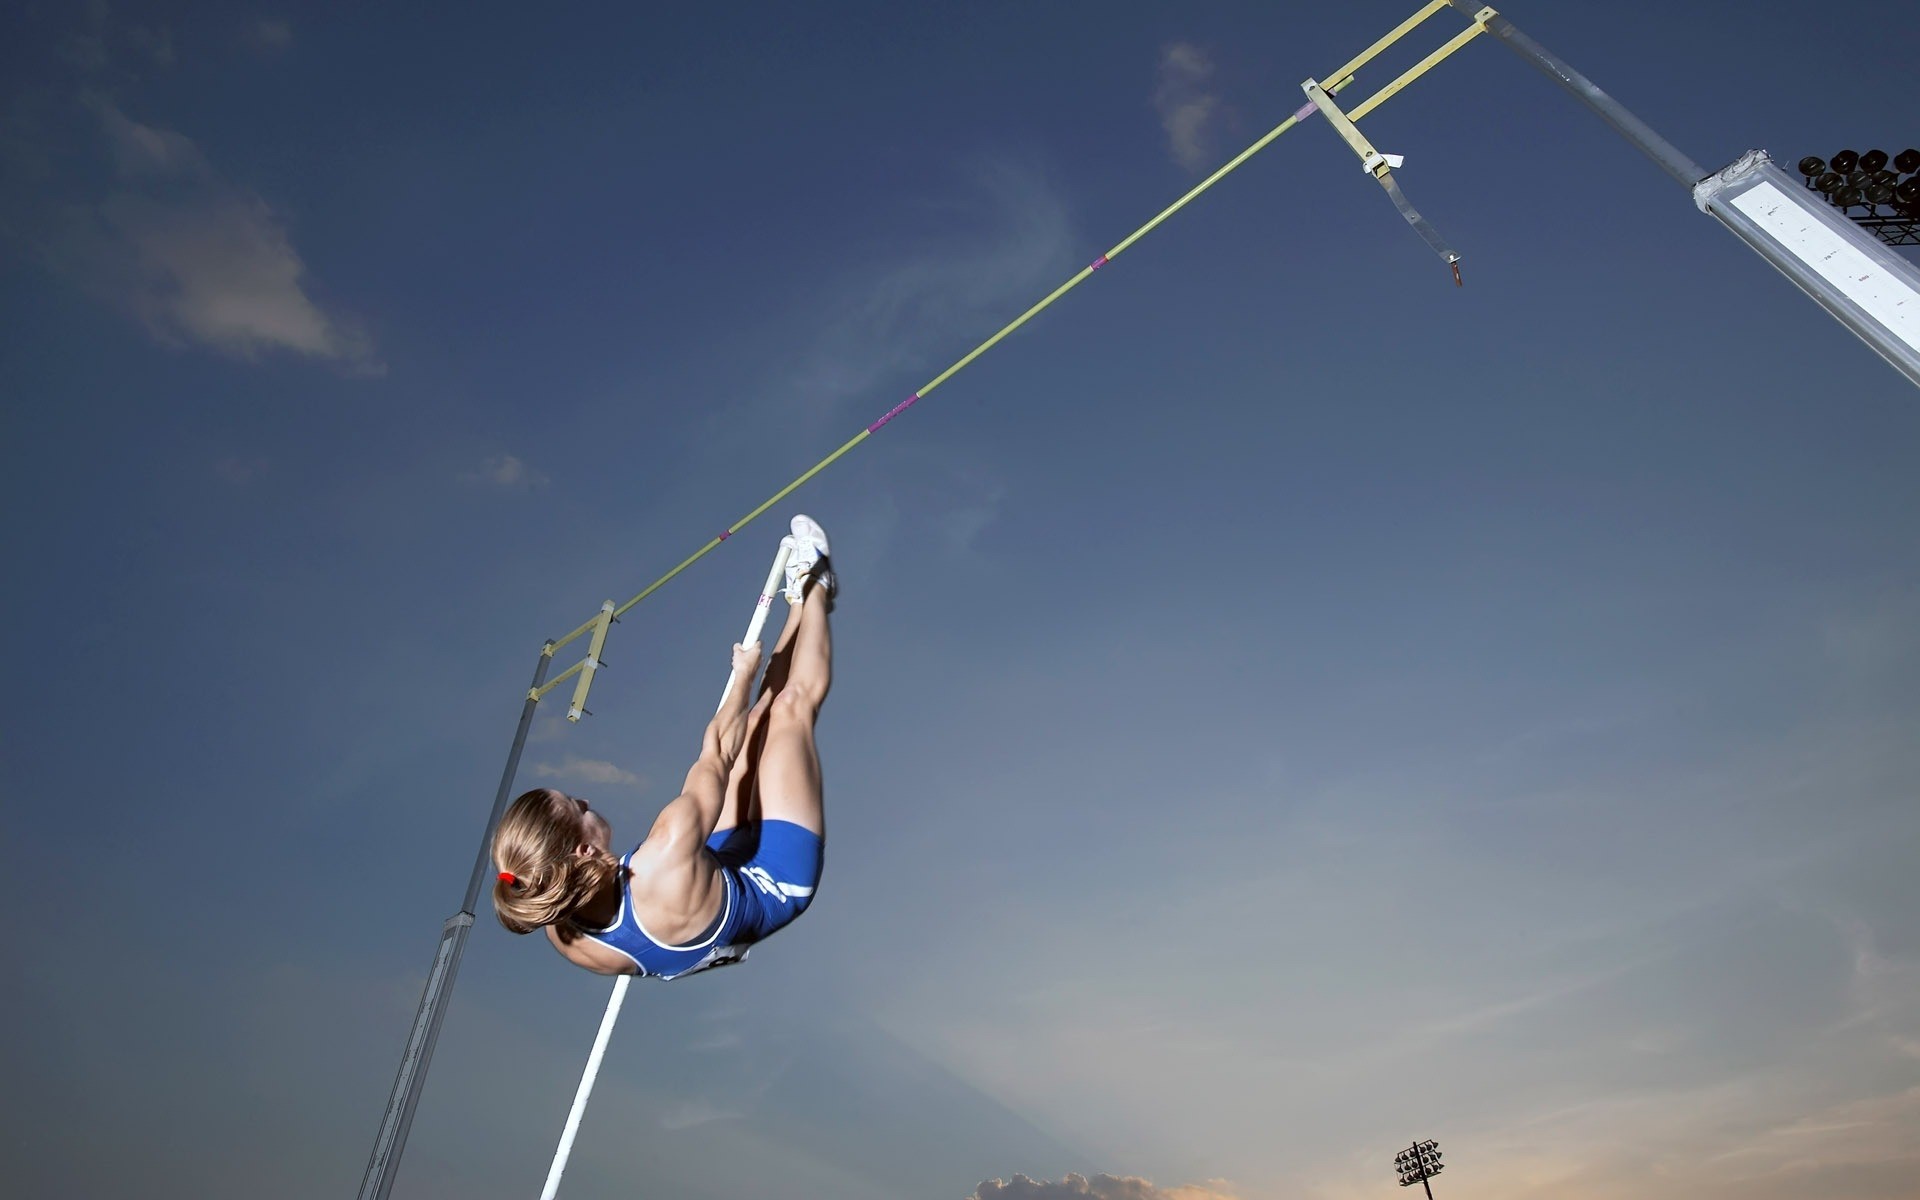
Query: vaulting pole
[(775, 576)]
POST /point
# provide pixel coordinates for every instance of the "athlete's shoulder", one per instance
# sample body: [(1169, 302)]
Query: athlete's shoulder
[(583, 951)]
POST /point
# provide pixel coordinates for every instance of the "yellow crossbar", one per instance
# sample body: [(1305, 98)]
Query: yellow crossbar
[(1420, 68), (1403, 29)]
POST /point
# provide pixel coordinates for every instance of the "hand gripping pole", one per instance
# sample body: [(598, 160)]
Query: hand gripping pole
[(775, 576)]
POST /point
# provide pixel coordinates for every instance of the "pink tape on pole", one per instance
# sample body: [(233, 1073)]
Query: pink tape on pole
[(1098, 263), (1306, 110), (895, 411), (724, 535)]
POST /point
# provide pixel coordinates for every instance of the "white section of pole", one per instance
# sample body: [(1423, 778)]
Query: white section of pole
[(564, 1150), (585, 1090)]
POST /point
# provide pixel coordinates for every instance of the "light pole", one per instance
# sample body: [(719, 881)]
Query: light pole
[(1847, 271), (1419, 1163)]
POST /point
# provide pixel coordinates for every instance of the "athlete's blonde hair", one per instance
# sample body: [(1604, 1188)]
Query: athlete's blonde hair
[(538, 844)]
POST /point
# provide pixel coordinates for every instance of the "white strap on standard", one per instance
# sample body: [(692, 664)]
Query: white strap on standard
[(775, 578)]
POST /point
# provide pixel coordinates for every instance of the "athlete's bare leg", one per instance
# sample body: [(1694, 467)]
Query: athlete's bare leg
[(788, 761)]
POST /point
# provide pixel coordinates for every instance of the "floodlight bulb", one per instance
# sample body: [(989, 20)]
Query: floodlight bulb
[(1812, 165), (1873, 160), (1907, 160), (1909, 191), (1829, 183), (1879, 193), (1847, 196), (1845, 161)]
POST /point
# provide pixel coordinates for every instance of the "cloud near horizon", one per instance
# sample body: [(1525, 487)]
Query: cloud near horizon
[(1097, 1187)]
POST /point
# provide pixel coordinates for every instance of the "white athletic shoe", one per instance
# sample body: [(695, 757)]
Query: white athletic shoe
[(808, 559)]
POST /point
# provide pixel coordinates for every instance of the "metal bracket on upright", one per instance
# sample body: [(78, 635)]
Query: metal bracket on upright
[(1372, 161), (1380, 166), (585, 668)]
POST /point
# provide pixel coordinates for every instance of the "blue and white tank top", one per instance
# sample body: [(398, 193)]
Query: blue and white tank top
[(713, 948)]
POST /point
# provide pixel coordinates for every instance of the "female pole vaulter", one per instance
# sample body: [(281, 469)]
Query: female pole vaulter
[(732, 859)]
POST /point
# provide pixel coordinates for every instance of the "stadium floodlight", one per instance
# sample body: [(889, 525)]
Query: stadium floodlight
[(1419, 1163), (1870, 190)]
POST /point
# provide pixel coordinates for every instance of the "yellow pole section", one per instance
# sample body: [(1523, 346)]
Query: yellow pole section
[(1417, 70), (1371, 52)]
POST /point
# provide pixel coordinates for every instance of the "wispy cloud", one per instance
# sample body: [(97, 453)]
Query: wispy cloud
[(1186, 103), (149, 225), (197, 258), (106, 43), (549, 729), (270, 35), (505, 470), (1007, 234), (999, 237), (587, 770)]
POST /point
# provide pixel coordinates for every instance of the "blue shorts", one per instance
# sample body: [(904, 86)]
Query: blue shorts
[(775, 867)]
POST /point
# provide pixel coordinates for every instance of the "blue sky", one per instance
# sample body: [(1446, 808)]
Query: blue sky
[(1287, 706)]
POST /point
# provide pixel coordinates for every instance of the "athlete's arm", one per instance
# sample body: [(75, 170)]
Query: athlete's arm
[(684, 825)]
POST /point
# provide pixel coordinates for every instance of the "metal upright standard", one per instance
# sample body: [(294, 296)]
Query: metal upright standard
[(398, 1119)]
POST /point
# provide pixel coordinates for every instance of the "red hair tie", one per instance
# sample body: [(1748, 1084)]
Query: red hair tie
[(507, 878)]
